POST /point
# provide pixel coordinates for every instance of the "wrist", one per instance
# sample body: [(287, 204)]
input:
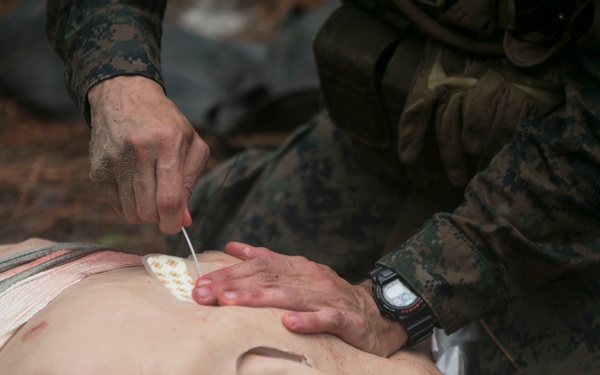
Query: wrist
[(390, 334), (123, 85), (398, 302)]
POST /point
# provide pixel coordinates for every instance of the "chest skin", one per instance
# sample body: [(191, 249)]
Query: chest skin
[(122, 322)]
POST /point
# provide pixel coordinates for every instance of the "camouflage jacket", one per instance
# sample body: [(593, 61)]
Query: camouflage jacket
[(527, 220), (530, 217), (102, 39)]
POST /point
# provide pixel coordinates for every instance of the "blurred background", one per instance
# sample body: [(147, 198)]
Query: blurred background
[(241, 70)]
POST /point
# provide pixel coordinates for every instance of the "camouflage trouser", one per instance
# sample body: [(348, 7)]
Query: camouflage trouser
[(321, 195), (553, 331)]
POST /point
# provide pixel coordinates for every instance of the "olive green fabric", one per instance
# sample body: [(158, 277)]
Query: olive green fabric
[(307, 198)]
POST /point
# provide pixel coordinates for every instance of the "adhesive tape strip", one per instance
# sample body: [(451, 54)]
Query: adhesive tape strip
[(173, 273)]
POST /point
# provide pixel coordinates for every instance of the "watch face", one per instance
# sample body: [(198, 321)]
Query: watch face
[(398, 295)]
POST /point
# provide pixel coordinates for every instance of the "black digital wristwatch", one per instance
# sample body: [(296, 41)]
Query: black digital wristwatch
[(398, 302)]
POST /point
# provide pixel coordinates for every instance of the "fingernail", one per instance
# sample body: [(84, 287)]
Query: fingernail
[(203, 292), (248, 251), (292, 320), (230, 296), (203, 282)]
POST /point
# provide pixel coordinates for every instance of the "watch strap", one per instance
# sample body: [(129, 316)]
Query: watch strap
[(418, 320)]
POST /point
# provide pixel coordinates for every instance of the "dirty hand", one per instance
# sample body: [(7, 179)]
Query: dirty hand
[(318, 299), (145, 155)]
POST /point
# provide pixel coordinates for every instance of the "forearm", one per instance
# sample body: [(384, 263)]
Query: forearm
[(102, 39), (530, 217)]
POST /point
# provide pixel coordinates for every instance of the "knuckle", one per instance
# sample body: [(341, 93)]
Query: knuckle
[(164, 134), (204, 150), (336, 319), (253, 297), (148, 215), (300, 302), (188, 188), (168, 201), (144, 143), (258, 265), (268, 279), (144, 155), (328, 284), (300, 258), (167, 137), (314, 268)]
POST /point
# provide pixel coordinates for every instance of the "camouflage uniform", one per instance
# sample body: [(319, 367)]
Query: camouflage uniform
[(519, 252), (103, 39)]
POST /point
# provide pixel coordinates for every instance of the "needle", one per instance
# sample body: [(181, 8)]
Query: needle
[(192, 251), (216, 193)]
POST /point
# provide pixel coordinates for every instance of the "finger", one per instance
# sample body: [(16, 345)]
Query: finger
[(195, 161), (321, 321), (279, 284), (237, 293), (170, 199), (144, 189), (255, 274), (203, 293), (259, 272), (226, 275), (127, 196), (197, 156), (121, 170), (246, 252), (108, 186), (187, 218)]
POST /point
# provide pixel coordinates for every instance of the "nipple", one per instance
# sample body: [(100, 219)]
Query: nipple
[(175, 273)]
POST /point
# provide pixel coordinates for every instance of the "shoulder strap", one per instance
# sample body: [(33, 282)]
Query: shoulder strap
[(74, 251)]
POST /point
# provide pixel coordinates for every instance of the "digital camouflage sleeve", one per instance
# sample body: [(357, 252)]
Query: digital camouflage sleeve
[(105, 38), (529, 219)]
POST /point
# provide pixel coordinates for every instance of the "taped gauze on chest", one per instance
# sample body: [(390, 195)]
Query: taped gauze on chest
[(174, 273)]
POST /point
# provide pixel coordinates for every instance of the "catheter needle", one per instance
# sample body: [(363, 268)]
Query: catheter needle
[(216, 193), (192, 251)]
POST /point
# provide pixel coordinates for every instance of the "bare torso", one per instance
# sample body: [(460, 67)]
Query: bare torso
[(123, 322)]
